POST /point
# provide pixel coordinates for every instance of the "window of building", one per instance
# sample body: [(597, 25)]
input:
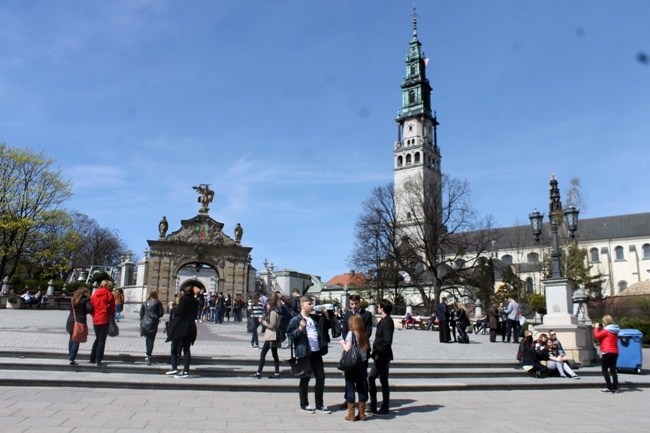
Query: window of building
[(408, 159), (411, 96), (622, 285), (507, 259), (400, 161), (408, 216), (593, 255), (417, 157), (532, 258), (646, 251), (530, 287), (620, 253)]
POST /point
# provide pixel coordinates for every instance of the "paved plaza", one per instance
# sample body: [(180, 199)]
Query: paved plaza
[(98, 410)]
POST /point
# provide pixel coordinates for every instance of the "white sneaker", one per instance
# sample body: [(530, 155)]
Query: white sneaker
[(183, 375), (172, 372), (307, 409), (323, 409)]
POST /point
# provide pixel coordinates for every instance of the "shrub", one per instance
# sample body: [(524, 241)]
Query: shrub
[(537, 303), (639, 324)]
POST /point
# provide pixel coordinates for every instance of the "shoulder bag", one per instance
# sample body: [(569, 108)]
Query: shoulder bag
[(113, 329), (79, 330), (300, 367), (352, 359)]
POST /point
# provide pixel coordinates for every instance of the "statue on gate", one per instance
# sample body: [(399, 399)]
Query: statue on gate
[(206, 195)]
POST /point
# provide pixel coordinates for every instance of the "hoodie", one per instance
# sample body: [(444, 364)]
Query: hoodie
[(608, 337)]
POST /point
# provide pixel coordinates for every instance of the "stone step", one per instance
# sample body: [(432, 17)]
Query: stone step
[(119, 380)]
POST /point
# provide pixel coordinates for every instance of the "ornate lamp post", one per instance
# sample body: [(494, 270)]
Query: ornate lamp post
[(576, 338), (555, 216)]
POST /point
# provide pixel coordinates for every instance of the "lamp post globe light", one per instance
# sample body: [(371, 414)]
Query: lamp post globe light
[(577, 339), (555, 216)]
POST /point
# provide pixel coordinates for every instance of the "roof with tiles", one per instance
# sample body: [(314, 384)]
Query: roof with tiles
[(349, 278), (589, 229)]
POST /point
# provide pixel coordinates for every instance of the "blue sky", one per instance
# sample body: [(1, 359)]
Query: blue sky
[(287, 108)]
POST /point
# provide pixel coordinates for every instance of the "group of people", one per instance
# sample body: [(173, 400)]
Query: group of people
[(545, 356), (506, 321), (32, 300), (308, 333), (215, 307), (452, 319)]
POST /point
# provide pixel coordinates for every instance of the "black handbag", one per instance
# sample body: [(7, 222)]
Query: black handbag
[(113, 329), (250, 325), (352, 359), (300, 367)]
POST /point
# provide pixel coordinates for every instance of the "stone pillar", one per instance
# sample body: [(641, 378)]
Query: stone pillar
[(478, 309), (5, 286), (126, 271), (577, 339), (50, 288)]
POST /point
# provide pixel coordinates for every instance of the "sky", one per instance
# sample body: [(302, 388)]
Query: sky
[(287, 108)]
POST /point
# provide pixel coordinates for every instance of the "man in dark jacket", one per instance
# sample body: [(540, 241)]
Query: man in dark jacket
[(382, 354), (308, 334), (442, 313)]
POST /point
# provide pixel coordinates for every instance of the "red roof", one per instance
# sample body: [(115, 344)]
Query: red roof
[(350, 278)]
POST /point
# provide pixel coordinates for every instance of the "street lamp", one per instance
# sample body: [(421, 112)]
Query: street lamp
[(555, 216)]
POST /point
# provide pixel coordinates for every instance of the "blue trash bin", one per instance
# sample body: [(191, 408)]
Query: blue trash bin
[(630, 353)]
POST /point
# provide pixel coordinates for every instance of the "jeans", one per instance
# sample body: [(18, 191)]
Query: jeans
[(73, 349), (513, 328), (357, 380), (274, 352), (316, 363), (185, 345), (608, 365), (217, 315), (149, 344), (97, 352), (379, 369)]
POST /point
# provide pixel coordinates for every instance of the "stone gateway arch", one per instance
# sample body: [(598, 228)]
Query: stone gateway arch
[(199, 253)]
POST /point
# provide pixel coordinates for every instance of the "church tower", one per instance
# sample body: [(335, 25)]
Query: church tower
[(416, 155)]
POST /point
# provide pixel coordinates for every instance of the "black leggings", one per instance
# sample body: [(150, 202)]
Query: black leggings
[(608, 364), (274, 352)]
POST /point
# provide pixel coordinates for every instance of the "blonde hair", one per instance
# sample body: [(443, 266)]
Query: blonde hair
[(106, 283), (78, 294), (607, 320), (359, 328)]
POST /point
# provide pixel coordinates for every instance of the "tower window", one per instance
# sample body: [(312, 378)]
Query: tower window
[(400, 161), (408, 216), (411, 97), (417, 157), (408, 159)]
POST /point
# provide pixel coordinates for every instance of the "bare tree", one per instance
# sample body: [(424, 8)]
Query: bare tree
[(445, 231), (378, 247)]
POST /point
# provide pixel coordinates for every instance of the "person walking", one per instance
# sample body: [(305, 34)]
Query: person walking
[(80, 306), (103, 303), (257, 312), (382, 355), (182, 330), (271, 321), (308, 334), (119, 304), (607, 333), (150, 313)]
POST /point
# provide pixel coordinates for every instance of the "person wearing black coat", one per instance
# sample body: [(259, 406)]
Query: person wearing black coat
[(442, 313), (382, 355), (150, 313), (82, 306), (182, 331), (462, 322)]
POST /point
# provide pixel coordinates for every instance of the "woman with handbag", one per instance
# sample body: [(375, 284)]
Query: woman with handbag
[(271, 321), (357, 340), (150, 313), (77, 325)]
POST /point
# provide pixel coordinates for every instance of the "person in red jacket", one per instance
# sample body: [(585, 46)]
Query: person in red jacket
[(103, 303), (607, 333)]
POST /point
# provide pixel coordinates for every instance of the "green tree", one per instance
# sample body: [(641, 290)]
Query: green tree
[(575, 266), (30, 190)]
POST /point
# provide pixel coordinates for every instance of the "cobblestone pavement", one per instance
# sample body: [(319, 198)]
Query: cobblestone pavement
[(69, 410)]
